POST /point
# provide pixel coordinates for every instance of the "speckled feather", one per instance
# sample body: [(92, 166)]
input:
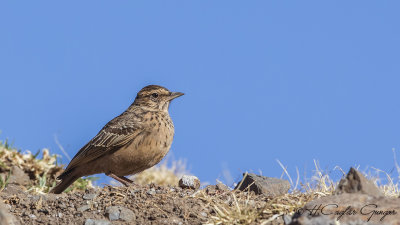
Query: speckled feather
[(133, 141)]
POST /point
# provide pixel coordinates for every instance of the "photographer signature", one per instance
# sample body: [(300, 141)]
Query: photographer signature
[(369, 210)]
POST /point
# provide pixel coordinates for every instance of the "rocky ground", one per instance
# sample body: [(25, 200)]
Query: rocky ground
[(25, 180), (149, 204)]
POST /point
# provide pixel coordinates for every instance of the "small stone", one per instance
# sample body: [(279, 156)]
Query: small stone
[(113, 212), (97, 222), (119, 212), (287, 219), (45, 211), (189, 182), (32, 216), (211, 189), (263, 185), (62, 205), (126, 214), (59, 214), (222, 187), (152, 191), (83, 208), (89, 196)]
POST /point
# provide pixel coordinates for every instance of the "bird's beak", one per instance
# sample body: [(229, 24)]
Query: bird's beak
[(174, 95)]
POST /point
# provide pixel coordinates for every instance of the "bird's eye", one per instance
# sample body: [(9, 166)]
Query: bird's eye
[(155, 95)]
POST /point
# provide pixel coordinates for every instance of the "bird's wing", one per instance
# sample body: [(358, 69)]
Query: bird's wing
[(115, 134)]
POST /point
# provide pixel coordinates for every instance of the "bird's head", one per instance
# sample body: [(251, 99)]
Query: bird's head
[(155, 97)]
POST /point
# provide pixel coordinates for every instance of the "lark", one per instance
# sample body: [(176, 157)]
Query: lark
[(130, 143)]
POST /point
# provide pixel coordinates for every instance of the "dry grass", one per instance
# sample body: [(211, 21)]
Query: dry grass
[(166, 173), (41, 170), (240, 208)]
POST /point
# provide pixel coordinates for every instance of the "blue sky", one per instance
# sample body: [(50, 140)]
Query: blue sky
[(264, 80)]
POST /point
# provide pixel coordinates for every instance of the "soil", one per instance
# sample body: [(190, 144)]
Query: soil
[(149, 204)]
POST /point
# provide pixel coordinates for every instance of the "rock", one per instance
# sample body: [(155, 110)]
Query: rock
[(287, 219), (152, 191), (119, 212), (222, 187), (112, 213), (203, 214), (189, 182), (349, 209), (171, 221), (6, 217), (263, 185), (126, 214), (18, 176), (355, 182), (13, 189), (97, 222), (83, 208), (216, 189), (89, 196)]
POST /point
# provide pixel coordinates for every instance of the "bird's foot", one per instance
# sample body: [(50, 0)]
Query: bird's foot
[(123, 180)]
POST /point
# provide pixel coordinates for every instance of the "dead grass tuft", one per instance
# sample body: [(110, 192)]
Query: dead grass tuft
[(166, 173), (42, 171)]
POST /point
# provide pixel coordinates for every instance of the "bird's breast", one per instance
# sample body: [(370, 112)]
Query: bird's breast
[(146, 149)]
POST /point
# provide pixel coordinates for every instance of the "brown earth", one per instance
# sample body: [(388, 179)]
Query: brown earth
[(149, 204)]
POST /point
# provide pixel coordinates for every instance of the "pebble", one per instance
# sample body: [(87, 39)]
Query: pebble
[(89, 196), (97, 222), (61, 205), (190, 182), (152, 191), (83, 208), (287, 219), (126, 214), (119, 212), (112, 212)]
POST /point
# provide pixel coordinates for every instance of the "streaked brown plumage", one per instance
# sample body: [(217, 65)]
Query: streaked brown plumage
[(130, 143)]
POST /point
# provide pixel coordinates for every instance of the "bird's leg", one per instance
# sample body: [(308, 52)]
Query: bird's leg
[(123, 180), (126, 179)]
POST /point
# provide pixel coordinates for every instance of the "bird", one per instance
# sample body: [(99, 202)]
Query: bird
[(132, 142)]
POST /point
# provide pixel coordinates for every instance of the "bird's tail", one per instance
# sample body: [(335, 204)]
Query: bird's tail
[(67, 178)]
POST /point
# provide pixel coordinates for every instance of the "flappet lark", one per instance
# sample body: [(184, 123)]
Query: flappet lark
[(130, 143)]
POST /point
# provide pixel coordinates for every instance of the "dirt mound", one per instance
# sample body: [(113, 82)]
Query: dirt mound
[(149, 204), (137, 205)]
